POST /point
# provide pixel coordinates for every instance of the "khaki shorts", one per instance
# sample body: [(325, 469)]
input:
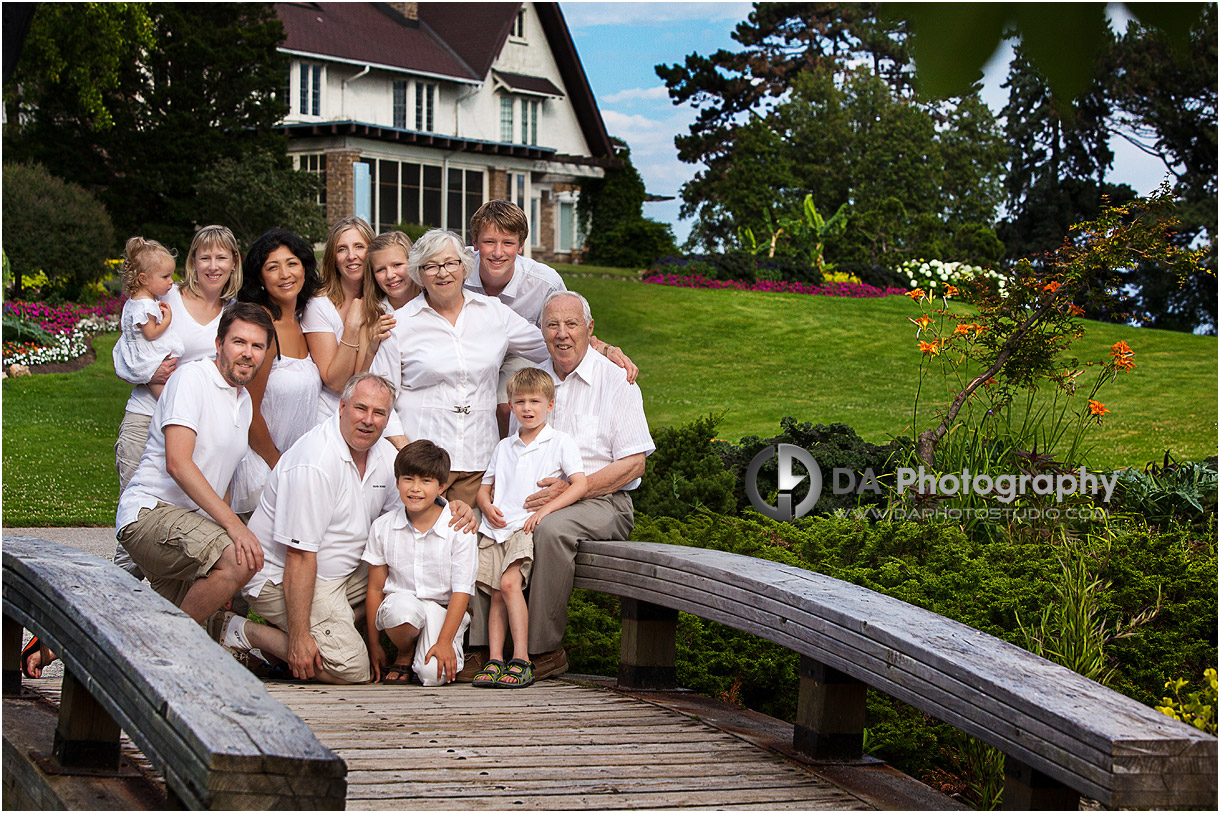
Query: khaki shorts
[(173, 546), (510, 365), (332, 621), (129, 447), (464, 486), (494, 559)]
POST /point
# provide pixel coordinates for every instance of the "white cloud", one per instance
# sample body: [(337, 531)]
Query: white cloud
[(658, 93), (583, 15)]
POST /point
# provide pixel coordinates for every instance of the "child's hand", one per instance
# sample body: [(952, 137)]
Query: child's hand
[(376, 658), (531, 522), (446, 660), (494, 516), (167, 315)]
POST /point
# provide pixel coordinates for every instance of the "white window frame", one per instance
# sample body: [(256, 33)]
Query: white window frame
[(308, 89), (399, 93), (425, 106), (530, 109), (507, 119), (517, 33), (561, 200)]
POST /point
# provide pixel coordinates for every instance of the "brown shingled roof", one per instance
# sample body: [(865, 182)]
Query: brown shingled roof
[(475, 31), (342, 30), (528, 84)]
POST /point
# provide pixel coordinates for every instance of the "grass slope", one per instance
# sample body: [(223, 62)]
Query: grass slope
[(758, 357), (755, 357)]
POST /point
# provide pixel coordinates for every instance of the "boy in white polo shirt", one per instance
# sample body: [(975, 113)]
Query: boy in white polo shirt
[(506, 546), (421, 575)]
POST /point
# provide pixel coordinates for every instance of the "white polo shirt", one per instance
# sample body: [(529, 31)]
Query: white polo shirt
[(516, 468), (531, 283), (315, 500), (605, 414), (446, 374), (432, 565), (197, 397)]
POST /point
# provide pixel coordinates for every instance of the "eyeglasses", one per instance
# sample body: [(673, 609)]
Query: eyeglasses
[(435, 268)]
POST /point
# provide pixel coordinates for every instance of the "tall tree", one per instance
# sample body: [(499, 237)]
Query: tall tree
[(207, 89), (612, 209)]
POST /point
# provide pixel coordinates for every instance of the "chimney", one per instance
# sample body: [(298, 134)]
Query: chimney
[(408, 10)]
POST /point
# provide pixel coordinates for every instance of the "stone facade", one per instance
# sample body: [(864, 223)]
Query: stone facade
[(340, 194)]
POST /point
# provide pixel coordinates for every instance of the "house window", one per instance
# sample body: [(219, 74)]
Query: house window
[(309, 97), (567, 225), (465, 197), (387, 195), (535, 221), (506, 118), (400, 104), (425, 106), (518, 31), (529, 121), (316, 165)]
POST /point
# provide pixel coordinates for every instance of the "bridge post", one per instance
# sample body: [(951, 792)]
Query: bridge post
[(10, 659), (647, 652), (1026, 788), (86, 736), (829, 713)]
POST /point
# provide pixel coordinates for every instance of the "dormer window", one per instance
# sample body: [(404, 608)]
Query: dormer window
[(309, 89), (425, 106)]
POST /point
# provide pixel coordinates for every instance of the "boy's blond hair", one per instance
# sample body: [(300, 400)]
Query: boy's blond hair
[(531, 381), (506, 216)]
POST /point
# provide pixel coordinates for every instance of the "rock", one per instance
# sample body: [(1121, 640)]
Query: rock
[(18, 370)]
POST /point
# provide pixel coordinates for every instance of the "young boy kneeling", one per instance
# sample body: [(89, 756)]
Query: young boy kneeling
[(506, 542), (421, 574)]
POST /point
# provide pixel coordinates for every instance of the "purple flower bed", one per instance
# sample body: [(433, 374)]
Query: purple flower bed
[(857, 290), (61, 319)]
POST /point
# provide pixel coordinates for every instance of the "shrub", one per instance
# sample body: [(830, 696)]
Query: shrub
[(257, 193), (56, 227), (19, 329), (412, 230), (1171, 490), (630, 244), (685, 472)]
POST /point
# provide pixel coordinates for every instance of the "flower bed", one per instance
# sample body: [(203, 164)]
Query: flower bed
[(70, 325), (857, 290)]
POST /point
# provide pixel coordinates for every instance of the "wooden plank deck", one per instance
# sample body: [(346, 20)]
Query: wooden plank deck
[(553, 746)]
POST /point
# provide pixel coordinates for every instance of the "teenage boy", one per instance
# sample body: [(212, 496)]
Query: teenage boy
[(499, 230), (506, 545), (421, 575)]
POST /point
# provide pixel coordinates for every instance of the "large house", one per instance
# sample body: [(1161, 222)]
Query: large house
[(420, 112)]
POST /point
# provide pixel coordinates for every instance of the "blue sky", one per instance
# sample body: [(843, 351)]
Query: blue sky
[(620, 43)]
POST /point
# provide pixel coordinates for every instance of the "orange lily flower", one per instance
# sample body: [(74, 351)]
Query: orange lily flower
[(950, 290), (1097, 408), (962, 329), (917, 294), (1075, 309), (929, 348)]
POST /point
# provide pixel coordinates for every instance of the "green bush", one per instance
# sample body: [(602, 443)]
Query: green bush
[(18, 329), (413, 230), (54, 226), (685, 472), (630, 244), (257, 193), (1168, 491)]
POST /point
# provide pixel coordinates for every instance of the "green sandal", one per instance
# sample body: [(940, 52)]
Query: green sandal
[(489, 675), (518, 675)]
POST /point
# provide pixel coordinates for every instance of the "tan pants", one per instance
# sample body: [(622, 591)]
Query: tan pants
[(128, 449), (332, 621), (555, 541), (464, 486), (173, 546)]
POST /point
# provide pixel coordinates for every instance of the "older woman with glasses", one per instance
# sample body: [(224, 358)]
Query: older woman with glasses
[(444, 357)]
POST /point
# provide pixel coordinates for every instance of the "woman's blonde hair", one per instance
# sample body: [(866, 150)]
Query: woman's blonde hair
[(139, 256), (212, 237), (332, 279), (373, 295)]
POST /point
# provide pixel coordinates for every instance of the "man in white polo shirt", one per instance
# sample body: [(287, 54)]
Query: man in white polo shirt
[(499, 229), (595, 404), (171, 517), (313, 521)]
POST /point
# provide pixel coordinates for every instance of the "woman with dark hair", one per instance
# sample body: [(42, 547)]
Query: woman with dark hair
[(282, 276)]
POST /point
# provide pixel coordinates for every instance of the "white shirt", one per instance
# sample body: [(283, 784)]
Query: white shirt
[(198, 342), (432, 565), (605, 414), (315, 500), (516, 468), (531, 283), (197, 397), (321, 316), (446, 374)]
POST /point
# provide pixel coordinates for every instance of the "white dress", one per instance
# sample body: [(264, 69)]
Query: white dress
[(290, 408), (321, 316), (137, 354)]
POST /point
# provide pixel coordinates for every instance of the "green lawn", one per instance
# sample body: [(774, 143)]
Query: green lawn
[(755, 357)]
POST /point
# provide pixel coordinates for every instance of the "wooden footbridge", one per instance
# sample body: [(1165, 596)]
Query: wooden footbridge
[(146, 693)]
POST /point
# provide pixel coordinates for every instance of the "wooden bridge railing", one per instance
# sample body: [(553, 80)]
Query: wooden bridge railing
[(1062, 734), (136, 663)]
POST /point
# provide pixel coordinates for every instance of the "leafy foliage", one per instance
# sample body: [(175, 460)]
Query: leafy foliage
[(685, 472), (1198, 708), (17, 329), (1172, 490), (258, 192), (206, 86), (612, 207), (56, 227)]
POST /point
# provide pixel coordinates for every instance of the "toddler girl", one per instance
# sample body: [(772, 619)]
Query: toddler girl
[(148, 273)]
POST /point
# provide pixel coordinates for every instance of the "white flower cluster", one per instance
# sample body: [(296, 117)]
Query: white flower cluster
[(931, 274), (67, 346)]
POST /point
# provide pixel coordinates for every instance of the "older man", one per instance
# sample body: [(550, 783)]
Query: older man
[(313, 522), (171, 517), (595, 404)]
